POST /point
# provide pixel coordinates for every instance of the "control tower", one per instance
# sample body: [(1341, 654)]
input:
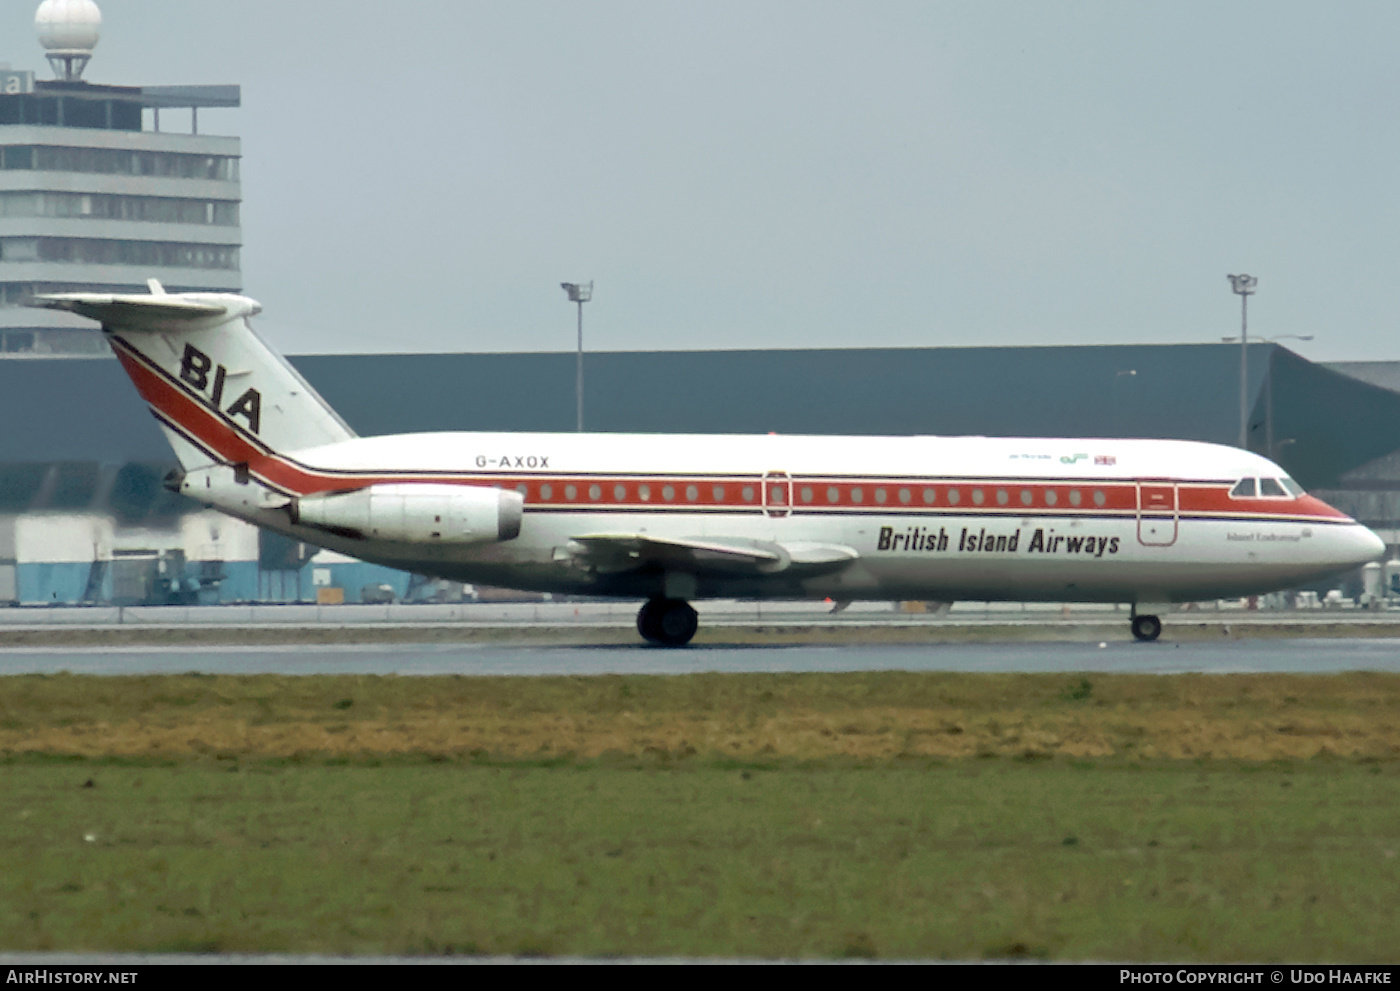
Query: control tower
[(95, 196)]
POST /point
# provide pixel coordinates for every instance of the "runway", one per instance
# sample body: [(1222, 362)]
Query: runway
[(1290, 656)]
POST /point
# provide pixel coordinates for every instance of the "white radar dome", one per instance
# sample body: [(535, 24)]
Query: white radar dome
[(68, 25)]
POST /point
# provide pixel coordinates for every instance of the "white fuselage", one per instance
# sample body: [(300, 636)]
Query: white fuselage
[(937, 518)]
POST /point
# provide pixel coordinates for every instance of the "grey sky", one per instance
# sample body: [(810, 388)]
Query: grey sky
[(795, 173)]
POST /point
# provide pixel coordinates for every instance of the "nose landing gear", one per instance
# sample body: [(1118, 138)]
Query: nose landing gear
[(667, 622)]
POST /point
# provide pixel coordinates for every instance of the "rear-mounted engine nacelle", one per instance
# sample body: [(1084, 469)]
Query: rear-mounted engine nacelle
[(449, 514)]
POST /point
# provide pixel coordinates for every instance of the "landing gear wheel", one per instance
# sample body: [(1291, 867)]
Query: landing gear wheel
[(1147, 628), (668, 622)]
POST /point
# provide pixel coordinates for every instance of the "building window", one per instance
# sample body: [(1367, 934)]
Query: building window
[(115, 161), (102, 251), (99, 206)]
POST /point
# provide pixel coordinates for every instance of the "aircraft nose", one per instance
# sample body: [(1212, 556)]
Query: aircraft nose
[(1358, 545), (1374, 545)]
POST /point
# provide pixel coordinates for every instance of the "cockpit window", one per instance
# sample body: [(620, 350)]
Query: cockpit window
[(1270, 487), (1244, 489), (1294, 489)]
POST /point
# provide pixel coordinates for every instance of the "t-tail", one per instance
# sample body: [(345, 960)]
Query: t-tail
[(224, 398)]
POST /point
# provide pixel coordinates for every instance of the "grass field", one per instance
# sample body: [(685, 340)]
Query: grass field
[(886, 815)]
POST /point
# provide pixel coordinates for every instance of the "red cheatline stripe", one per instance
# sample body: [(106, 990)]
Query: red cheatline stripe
[(198, 420)]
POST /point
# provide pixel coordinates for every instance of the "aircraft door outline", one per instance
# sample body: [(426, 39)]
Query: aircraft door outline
[(1158, 513), (777, 493)]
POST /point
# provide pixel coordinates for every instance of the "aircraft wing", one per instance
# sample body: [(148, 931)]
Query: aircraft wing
[(616, 552)]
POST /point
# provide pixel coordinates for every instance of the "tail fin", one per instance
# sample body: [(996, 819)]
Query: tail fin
[(220, 393)]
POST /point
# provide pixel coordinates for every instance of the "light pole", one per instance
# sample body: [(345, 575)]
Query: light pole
[(579, 293), (1243, 286)]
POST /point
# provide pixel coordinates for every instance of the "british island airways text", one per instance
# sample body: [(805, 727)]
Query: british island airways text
[(1041, 541)]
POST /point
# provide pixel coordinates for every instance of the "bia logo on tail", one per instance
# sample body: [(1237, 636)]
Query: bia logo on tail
[(194, 371)]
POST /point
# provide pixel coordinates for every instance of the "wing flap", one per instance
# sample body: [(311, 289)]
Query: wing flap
[(614, 552)]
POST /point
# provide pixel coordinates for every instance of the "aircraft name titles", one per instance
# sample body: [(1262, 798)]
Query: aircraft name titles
[(927, 540)]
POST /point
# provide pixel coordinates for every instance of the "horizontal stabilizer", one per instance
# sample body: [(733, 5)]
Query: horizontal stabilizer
[(130, 310)]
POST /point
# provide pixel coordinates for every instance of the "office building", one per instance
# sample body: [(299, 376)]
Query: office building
[(96, 195)]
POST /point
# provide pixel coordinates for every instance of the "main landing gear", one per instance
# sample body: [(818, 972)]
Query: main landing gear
[(1147, 628), (667, 622)]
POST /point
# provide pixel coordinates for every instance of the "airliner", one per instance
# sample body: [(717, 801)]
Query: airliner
[(671, 519)]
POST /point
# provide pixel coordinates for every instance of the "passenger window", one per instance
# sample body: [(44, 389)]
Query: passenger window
[(1244, 489)]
